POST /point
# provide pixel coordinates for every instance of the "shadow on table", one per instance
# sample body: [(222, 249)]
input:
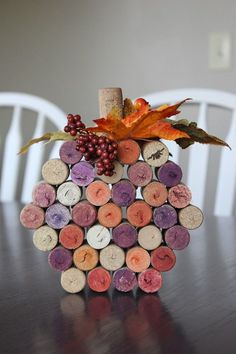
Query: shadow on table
[(119, 323)]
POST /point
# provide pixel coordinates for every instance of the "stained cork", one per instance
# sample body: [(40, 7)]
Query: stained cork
[(155, 153), (32, 216), (128, 151), (85, 257), (137, 259), (109, 215), (150, 280), (55, 171), (73, 280), (45, 238), (179, 196), (99, 279)]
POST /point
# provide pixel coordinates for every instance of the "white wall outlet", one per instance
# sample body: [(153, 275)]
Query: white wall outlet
[(219, 55)]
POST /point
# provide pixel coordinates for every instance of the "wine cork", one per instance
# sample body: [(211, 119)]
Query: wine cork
[(190, 217), (124, 279), (177, 237), (82, 173), (165, 216), (73, 280), (68, 193), (43, 195), (98, 236), (84, 214), (60, 258), (169, 174), (150, 280), (99, 279), (137, 259), (128, 151), (85, 257), (112, 257), (57, 216), (110, 98), (139, 213), (55, 171), (124, 235), (71, 236), (123, 193), (149, 237), (117, 174), (163, 258), (155, 153), (32, 216), (179, 196), (155, 194), (109, 215), (45, 238), (69, 154), (140, 174), (98, 193)]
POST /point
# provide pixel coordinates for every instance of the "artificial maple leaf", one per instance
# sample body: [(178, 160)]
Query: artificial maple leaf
[(161, 129)]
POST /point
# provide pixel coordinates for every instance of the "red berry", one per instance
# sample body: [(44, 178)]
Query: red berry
[(104, 155), (91, 149), (73, 132), (115, 152), (107, 173), (115, 145), (103, 146), (99, 152), (77, 117), (82, 149), (111, 156), (99, 172), (100, 164), (67, 129), (106, 161), (94, 140)]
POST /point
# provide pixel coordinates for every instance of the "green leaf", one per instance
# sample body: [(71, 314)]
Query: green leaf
[(48, 137)]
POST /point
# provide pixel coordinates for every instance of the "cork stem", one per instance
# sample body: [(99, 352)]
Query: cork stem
[(110, 98)]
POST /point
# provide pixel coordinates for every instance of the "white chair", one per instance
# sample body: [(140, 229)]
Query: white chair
[(14, 141), (197, 171)]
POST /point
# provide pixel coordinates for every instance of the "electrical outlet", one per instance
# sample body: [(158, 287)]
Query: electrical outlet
[(219, 50)]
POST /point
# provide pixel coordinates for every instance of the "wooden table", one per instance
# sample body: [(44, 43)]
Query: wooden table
[(194, 312)]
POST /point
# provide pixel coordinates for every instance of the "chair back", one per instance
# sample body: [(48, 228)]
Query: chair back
[(13, 141)]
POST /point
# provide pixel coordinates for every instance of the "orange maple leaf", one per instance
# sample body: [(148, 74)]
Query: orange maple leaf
[(144, 123)]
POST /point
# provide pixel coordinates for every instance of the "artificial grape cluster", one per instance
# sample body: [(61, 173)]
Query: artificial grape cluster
[(98, 149)]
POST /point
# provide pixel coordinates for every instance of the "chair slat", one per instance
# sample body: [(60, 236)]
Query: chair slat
[(11, 161), (34, 162), (198, 161), (225, 195)]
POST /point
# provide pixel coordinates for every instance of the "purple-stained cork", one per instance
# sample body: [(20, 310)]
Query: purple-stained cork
[(123, 193), (43, 195), (140, 174), (60, 258), (169, 174), (124, 279), (84, 214), (57, 216), (177, 237), (69, 154), (165, 216), (82, 173), (125, 235)]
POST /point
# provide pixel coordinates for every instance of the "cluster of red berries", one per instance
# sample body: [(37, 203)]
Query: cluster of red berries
[(98, 149), (73, 124)]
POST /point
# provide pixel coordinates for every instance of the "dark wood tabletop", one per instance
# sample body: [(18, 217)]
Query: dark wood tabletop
[(194, 312)]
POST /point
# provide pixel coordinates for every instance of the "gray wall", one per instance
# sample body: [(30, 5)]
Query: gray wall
[(65, 50)]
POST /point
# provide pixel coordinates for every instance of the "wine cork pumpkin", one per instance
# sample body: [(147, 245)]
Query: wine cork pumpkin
[(86, 213)]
